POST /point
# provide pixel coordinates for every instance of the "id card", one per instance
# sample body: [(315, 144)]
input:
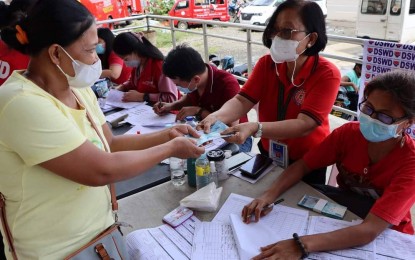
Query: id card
[(278, 152)]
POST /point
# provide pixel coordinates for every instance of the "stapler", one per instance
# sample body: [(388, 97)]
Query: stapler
[(117, 122)]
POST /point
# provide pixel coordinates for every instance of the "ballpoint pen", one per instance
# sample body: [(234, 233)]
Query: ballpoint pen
[(268, 206), (272, 204)]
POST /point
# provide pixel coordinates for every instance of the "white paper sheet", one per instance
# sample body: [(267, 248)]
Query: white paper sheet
[(392, 244), (233, 205), (115, 99), (144, 115), (278, 225), (320, 224), (162, 242), (214, 241)]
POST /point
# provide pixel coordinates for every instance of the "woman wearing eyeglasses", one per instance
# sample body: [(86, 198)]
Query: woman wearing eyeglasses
[(294, 87), (376, 162)]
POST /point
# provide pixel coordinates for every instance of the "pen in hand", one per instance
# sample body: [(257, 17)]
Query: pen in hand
[(267, 207)]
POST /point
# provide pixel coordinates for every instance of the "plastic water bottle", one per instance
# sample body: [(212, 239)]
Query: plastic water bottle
[(213, 173), (177, 171), (191, 120), (202, 172)]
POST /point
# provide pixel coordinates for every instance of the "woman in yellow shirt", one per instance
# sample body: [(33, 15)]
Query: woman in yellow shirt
[(54, 170)]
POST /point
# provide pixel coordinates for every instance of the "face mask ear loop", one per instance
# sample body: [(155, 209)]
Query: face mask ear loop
[(59, 67), (70, 57)]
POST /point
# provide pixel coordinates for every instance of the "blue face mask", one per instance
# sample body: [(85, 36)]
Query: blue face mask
[(132, 63), (100, 49), (375, 131), (186, 90)]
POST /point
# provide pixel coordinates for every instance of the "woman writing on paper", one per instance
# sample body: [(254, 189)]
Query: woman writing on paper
[(54, 170), (147, 81), (376, 162), (293, 86)]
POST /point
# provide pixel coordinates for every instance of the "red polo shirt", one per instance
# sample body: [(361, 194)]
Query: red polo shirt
[(314, 98), (10, 60), (221, 87), (114, 59), (151, 80)]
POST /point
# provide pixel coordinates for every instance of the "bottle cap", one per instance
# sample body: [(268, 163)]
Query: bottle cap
[(216, 155), (189, 118)]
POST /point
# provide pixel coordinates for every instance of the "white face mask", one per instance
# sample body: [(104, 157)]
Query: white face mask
[(85, 75), (282, 50)]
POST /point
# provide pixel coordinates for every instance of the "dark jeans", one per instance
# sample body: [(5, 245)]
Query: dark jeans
[(354, 99), (356, 203), (318, 176)]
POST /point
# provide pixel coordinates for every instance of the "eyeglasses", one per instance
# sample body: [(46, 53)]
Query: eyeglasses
[(284, 33), (386, 119)]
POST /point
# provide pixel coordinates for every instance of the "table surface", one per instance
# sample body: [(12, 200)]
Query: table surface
[(147, 208)]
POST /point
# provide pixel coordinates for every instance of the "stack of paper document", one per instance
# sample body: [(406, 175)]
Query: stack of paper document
[(163, 242), (279, 225), (228, 238)]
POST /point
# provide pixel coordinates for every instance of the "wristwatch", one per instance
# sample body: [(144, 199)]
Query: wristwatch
[(146, 97), (258, 133)]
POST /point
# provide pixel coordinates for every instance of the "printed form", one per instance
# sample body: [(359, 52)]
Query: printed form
[(320, 224), (214, 241), (279, 224), (163, 242)]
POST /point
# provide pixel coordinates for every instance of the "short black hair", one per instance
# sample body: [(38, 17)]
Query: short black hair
[(312, 18), (183, 62), (399, 84), (49, 22), (108, 37), (128, 42)]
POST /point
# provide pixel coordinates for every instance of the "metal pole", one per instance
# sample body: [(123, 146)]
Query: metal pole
[(173, 33), (205, 42), (148, 23), (249, 50)]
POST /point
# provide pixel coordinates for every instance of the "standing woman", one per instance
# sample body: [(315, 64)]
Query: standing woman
[(57, 154), (294, 87), (147, 81), (113, 67)]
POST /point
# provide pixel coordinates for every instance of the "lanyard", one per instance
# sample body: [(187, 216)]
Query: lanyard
[(281, 106)]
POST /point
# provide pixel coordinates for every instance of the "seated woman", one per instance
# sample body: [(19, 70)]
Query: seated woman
[(376, 162), (147, 81), (113, 67)]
